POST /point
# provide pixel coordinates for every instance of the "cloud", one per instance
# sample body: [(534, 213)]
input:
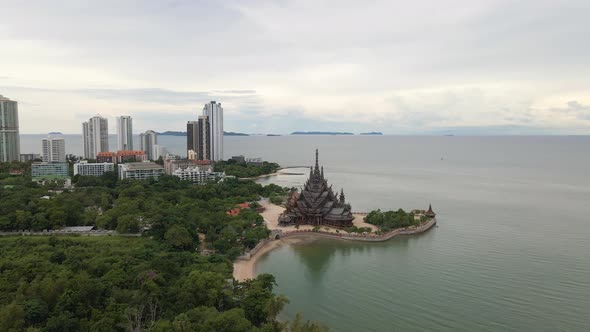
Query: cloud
[(390, 65)]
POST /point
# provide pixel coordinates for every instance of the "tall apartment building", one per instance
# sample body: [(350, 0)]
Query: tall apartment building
[(149, 144), (9, 135), (214, 113), (198, 134), (125, 133), (54, 149), (92, 169), (96, 136)]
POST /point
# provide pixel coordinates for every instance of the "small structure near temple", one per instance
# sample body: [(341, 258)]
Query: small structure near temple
[(430, 214), (317, 204)]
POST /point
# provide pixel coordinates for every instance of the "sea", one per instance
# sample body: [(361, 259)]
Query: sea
[(511, 251)]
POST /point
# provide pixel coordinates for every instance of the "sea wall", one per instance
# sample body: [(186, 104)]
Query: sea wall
[(366, 238)]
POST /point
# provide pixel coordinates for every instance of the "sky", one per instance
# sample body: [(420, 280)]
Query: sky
[(399, 67)]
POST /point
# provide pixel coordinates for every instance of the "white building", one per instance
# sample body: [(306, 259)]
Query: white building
[(9, 135), (85, 168), (197, 174), (96, 136), (125, 133), (54, 149), (214, 113), (140, 171), (149, 144)]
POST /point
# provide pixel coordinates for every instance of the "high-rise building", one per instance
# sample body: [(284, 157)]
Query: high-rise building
[(149, 144), (9, 136), (198, 135), (214, 113), (96, 136), (125, 133), (54, 149)]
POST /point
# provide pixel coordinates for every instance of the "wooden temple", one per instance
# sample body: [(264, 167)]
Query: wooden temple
[(317, 204)]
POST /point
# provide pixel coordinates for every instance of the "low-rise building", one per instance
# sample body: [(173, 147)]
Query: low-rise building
[(131, 156), (173, 163), (84, 168), (24, 157), (106, 157), (140, 171), (197, 175), (49, 171)]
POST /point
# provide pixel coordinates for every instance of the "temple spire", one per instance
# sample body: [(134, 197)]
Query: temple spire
[(322, 172), (317, 162), (342, 199)]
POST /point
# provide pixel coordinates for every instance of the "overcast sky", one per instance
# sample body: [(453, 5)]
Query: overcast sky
[(401, 67)]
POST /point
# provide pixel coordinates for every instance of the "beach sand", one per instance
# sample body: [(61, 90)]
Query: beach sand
[(246, 269)]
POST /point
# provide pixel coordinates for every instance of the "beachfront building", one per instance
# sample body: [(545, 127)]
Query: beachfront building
[(317, 204), (214, 113), (54, 149), (96, 136), (197, 175), (140, 171), (125, 133), (84, 168), (49, 171), (9, 134)]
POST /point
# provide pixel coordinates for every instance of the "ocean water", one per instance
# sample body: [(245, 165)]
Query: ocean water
[(511, 251)]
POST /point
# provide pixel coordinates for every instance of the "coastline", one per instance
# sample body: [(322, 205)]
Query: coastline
[(278, 172), (245, 265)]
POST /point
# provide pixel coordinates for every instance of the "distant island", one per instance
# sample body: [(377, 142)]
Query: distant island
[(55, 133), (183, 133), (373, 133), (320, 133), (273, 135), (231, 133)]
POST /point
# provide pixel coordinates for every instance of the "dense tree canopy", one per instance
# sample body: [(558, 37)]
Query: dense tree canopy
[(157, 282), (389, 220), (244, 170)]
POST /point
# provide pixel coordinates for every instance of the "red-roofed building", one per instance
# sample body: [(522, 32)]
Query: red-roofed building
[(106, 157), (131, 156), (236, 211)]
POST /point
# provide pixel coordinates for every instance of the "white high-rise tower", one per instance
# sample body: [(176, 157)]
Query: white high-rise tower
[(214, 113), (54, 149), (125, 133), (96, 136)]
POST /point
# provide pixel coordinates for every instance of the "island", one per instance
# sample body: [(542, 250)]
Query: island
[(183, 133), (320, 133), (373, 133), (55, 133)]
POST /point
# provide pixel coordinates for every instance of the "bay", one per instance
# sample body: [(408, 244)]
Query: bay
[(510, 252)]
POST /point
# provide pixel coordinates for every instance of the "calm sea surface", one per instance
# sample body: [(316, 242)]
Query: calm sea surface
[(511, 252)]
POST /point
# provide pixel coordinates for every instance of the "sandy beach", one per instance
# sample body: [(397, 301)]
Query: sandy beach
[(246, 268)]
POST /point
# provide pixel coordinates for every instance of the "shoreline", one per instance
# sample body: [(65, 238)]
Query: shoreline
[(278, 172), (245, 265)]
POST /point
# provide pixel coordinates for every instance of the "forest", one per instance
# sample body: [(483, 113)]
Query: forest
[(161, 281)]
